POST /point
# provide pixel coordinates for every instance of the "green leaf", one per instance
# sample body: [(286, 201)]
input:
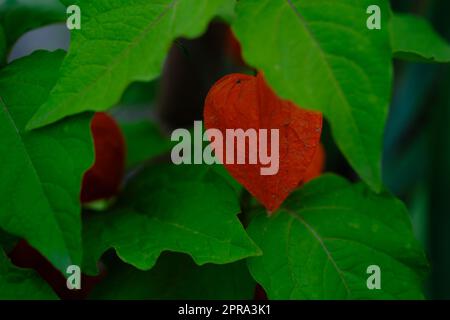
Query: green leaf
[(42, 170), (321, 55), (138, 95), (20, 16), (176, 276), (226, 11), (321, 242), (120, 41), (144, 141), (223, 172), (21, 284), (188, 209), (413, 38)]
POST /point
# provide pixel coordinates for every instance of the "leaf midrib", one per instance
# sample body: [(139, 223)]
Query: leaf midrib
[(331, 76), (319, 239)]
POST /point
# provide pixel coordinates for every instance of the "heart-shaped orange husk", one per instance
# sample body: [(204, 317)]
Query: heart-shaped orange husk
[(239, 101)]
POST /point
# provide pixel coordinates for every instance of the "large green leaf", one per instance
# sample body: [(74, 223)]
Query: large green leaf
[(20, 16), (321, 242), (188, 209), (321, 55), (120, 41), (42, 170), (176, 276), (413, 38), (21, 284)]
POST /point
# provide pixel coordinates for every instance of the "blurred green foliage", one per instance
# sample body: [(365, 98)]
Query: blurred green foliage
[(416, 164)]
